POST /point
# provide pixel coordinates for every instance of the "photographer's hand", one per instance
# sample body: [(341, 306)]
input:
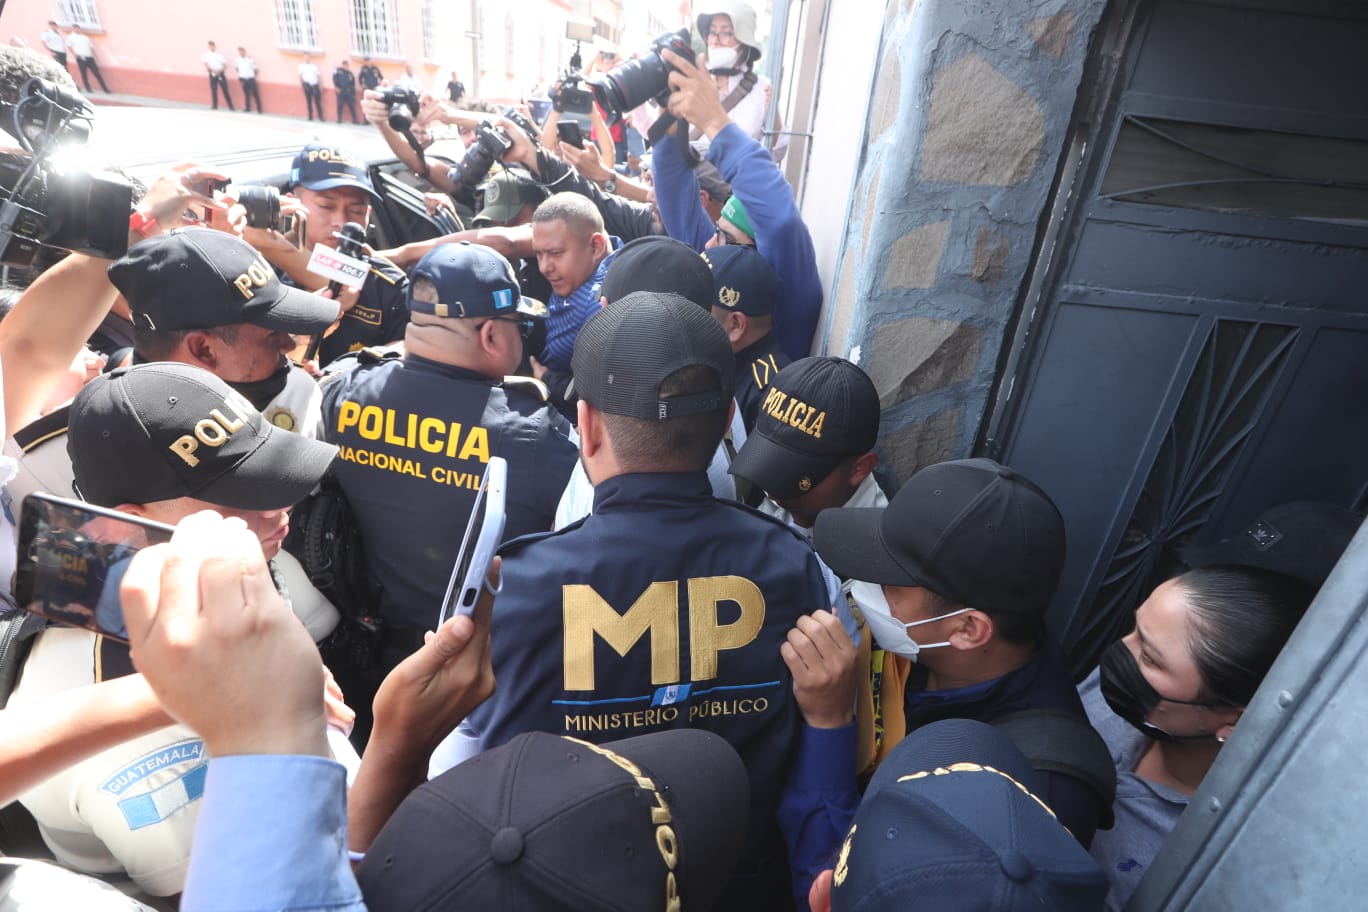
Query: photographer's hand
[(167, 201), (374, 109), (694, 96)]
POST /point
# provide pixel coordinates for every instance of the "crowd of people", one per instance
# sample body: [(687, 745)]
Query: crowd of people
[(714, 664)]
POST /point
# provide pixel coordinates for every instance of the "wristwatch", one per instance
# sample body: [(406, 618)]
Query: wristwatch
[(610, 185)]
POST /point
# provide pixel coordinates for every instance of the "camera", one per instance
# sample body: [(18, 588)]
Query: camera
[(637, 81), (403, 107), (572, 99), (489, 146), (45, 204), (262, 205)]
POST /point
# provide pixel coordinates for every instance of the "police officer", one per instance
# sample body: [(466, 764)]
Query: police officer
[(665, 608), (747, 292), (334, 187), (417, 432)]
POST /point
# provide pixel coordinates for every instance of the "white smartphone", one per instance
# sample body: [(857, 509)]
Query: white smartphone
[(482, 536)]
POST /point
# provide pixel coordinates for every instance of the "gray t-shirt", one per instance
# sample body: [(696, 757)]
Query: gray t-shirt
[(1146, 812)]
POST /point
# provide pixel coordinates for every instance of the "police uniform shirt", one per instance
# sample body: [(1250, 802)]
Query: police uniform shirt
[(663, 609), (415, 437), (756, 365), (378, 318)]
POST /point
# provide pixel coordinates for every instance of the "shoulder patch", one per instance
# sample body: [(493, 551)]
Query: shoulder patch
[(53, 424), (527, 384)]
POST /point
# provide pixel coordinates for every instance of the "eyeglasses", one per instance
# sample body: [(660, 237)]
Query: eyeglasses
[(722, 36), (722, 237), (525, 325)]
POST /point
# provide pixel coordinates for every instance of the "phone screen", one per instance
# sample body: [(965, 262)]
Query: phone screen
[(72, 558), (570, 134)]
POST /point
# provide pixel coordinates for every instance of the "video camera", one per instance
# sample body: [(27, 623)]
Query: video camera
[(46, 204), (572, 98)]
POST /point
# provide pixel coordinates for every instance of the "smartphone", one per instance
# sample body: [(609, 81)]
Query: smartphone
[(72, 558), (483, 533), (569, 133)]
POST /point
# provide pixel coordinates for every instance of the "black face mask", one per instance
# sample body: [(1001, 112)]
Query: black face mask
[(261, 392), (1132, 698)]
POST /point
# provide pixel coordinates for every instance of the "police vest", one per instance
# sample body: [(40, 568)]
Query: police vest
[(414, 439), (663, 609)]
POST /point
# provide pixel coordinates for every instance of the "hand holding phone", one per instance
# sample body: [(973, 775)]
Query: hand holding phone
[(569, 133)]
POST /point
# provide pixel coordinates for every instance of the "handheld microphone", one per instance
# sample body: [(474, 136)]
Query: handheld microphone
[(349, 242)]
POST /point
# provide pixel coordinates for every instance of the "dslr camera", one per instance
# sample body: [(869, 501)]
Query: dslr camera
[(44, 204), (262, 205), (490, 144), (403, 107), (637, 81)]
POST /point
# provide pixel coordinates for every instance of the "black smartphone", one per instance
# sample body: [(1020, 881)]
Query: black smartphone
[(569, 133), (72, 558)]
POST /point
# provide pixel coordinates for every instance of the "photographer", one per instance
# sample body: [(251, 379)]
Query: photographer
[(757, 183), (577, 95)]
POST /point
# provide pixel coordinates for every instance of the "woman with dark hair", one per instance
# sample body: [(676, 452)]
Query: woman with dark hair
[(1167, 696)]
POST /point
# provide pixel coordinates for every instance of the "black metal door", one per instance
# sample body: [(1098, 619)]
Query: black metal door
[(1197, 351)]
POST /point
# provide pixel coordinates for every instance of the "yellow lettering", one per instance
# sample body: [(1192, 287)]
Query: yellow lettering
[(244, 285), (210, 432), (706, 636), (185, 447), (454, 439), (259, 273), (817, 426), (476, 445), (669, 847), (390, 436), (369, 426), (587, 614), (426, 428), (347, 415), (229, 424), (796, 413), (660, 812)]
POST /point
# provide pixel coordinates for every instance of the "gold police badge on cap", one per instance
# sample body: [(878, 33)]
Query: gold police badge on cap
[(805, 483), (728, 297)]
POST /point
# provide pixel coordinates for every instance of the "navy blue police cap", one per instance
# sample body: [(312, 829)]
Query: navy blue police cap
[(746, 283), (466, 280), (322, 166), (953, 820)]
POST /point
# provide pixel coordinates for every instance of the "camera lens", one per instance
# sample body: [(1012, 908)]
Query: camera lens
[(263, 207)]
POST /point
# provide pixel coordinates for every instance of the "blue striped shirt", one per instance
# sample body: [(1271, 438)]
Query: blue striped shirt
[(565, 315)]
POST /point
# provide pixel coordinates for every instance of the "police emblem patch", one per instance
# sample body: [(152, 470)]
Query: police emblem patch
[(805, 484), (728, 297), (282, 418)]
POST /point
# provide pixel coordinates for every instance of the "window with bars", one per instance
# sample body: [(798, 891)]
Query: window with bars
[(431, 49), (373, 27), (296, 25), (77, 12)]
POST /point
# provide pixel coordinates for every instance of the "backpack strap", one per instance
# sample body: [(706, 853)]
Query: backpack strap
[(1058, 741)]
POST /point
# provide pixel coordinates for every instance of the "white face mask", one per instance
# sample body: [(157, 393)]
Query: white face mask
[(889, 632), (722, 58)]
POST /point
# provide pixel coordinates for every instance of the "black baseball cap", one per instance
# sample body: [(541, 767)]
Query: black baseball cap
[(471, 280), (548, 822), (658, 263), (320, 166), (746, 283), (1302, 539), (815, 413), (164, 430), (953, 820), (625, 352), (971, 530), (199, 278)]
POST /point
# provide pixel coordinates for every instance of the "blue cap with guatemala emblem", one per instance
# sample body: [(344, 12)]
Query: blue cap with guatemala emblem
[(466, 280)]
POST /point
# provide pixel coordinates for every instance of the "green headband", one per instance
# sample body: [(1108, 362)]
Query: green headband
[(735, 213)]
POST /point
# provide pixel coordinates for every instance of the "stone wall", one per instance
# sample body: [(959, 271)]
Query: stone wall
[(966, 125)]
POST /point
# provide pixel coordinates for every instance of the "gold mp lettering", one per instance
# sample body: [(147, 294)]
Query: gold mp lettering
[(587, 615)]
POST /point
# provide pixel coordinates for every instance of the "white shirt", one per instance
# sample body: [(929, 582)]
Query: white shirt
[(80, 45), (308, 73), (750, 114), (214, 61), (246, 67), (53, 41)]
